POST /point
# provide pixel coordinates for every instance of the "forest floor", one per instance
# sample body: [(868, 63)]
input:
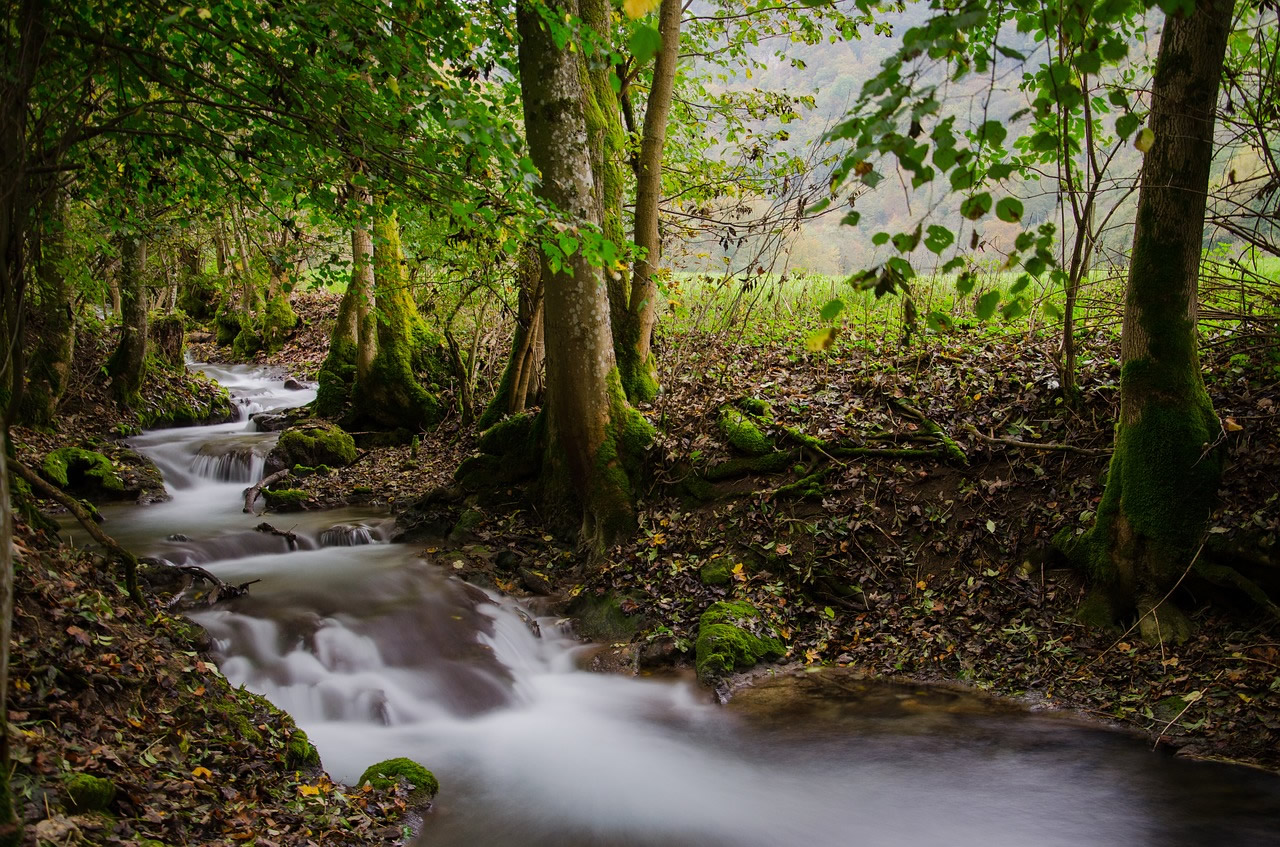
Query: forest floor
[(906, 568)]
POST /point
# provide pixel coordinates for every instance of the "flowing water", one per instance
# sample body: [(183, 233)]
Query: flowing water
[(378, 652)]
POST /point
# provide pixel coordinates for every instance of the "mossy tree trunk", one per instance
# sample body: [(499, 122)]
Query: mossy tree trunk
[(127, 365), (49, 367), (592, 434), (521, 383), (353, 343), (642, 380), (390, 394), (1164, 472)]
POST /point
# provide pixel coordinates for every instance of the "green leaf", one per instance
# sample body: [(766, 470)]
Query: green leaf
[(832, 310), (938, 321), (1009, 210), (1126, 124), (645, 42), (987, 305), (1144, 139), (939, 238), (976, 206), (821, 339), (966, 282), (880, 238), (1052, 310)]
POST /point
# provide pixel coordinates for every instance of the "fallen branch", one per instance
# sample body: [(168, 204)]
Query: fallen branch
[(949, 446), (287, 534), (221, 590), (251, 494), (128, 562), (1032, 445)]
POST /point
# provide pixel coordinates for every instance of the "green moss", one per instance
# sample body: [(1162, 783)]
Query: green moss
[(732, 635), (247, 342), (236, 716), (756, 406), (768, 463), (278, 320), (362, 490), (715, 573), (511, 436), (87, 793), (286, 499), (619, 462), (199, 295), (313, 444), (168, 339), (227, 325), (600, 617), (467, 522), (300, 753), (742, 433), (75, 468), (388, 774)]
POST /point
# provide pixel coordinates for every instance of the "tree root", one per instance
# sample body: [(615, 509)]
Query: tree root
[(949, 446), (1032, 445), (287, 534), (128, 562)]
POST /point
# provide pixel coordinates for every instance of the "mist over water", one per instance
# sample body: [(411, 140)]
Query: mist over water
[(378, 652)]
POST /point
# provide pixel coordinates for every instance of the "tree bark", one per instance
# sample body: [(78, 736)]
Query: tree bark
[(10, 825), (390, 394), (127, 366), (521, 383), (49, 367), (1165, 469), (594, 437), (642, 383)]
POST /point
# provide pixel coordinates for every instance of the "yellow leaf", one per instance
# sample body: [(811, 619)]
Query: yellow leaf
[(308, 790), (1192, 696), (639, 8), (1144, 139), (204, 14), (658, 538), (1230, 425), (202, 773), (922, 585), (821, 339)]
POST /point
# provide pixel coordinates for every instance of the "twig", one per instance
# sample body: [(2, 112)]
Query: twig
[(1032, 445), (1190, 703)]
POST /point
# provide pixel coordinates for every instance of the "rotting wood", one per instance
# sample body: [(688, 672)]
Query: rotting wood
[(251, 493)]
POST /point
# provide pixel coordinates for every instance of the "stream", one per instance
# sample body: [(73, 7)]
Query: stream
[(378, 652)]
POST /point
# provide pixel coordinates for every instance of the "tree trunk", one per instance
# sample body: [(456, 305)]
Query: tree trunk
[(642, 382), (50, 364), (390, 395), (362, 280), (1165, 471), (128, 363), (338, 373), (594, 438), (10, 826), (521, 383)]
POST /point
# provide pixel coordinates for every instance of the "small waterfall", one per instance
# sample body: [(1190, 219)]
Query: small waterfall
[(346, 535), (238, 465)]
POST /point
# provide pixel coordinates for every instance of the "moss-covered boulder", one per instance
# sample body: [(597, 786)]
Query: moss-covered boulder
[(742, 433), (84, 473), (278, 320), (733, 636), (312, 444), (87, 793), (383, 775)]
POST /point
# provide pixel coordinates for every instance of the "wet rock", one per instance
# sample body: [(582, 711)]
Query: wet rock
[(270, 421), (605, 617), (431, 516), (535, 582), (84, 473), (733, 635), (508, 560), (294, 385), (621, 659), (662, 652), (177, 536)]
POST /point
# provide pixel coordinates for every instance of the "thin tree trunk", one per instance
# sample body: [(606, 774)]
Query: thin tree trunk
[(50, 365), (127, 366), (338, 373), (593, 435), (10, 826), (521, 378), (1165, 471), (642, 384), (362, 297)]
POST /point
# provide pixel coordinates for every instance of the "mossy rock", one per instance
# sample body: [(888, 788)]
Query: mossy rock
[(300, 753), (87, 793), (312, 444), (388, 774), (168, 339), (601, 618), (84, 473), (278, 320), (715, 573), (465, 527), (227, 325), (286, 499), (733, 636), (742, 433)]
